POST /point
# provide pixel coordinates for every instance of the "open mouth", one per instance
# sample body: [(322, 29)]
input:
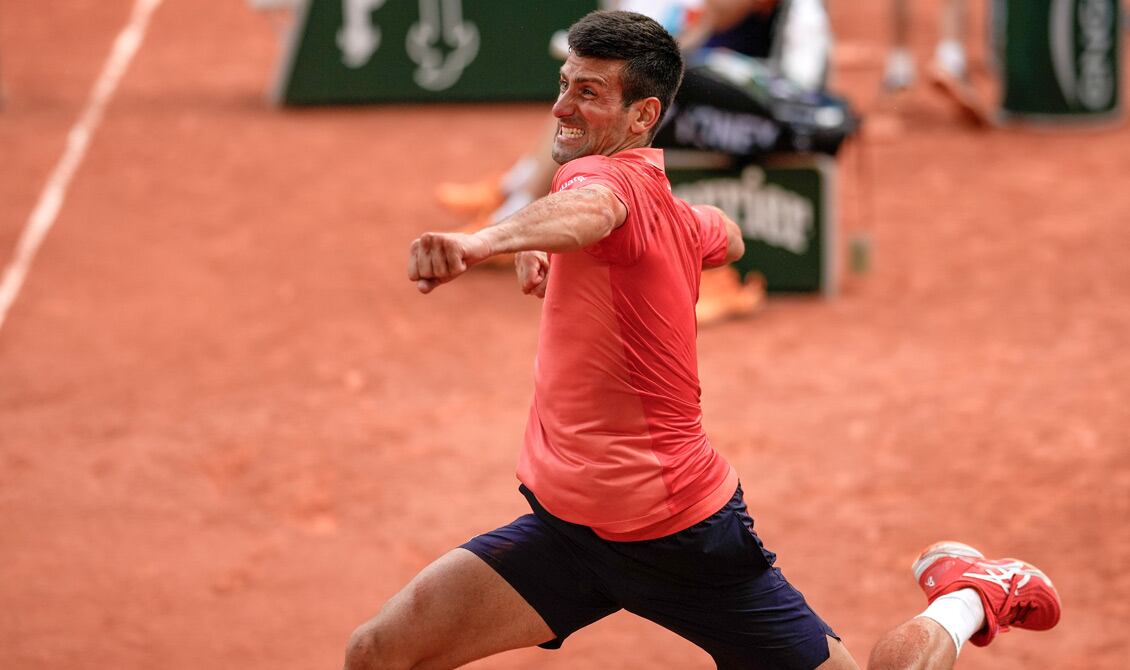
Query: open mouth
[(569, 133)]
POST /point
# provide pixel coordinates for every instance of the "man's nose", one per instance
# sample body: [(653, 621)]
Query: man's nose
[(563, 107)]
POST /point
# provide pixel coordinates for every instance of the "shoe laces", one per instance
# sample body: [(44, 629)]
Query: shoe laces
[(1016, 608), (1021, 613)]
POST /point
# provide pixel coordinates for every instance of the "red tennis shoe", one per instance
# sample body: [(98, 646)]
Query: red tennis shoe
[(1013, 592)]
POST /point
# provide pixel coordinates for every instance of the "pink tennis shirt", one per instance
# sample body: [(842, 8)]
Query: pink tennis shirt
[(615, 439)]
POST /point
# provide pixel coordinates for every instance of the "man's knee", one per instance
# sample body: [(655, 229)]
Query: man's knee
[(916, 644), (363, 649), (371, 647), (381, 642)]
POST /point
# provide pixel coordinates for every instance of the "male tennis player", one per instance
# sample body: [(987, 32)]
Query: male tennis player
[(631, 506)]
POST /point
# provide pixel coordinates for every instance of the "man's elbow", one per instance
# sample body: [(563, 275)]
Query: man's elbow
[(735, 244), (608, 216), (605, 213)]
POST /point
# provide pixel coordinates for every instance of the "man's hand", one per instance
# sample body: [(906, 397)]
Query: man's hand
[(533, 272), (437, 258)]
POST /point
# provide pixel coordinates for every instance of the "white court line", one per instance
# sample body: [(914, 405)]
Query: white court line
[(78, 140)]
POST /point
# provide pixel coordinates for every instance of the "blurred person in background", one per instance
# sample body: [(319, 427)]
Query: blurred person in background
[(744, 57), (949, 69)]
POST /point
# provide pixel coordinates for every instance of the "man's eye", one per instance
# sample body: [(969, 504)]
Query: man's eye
[(562, 85)]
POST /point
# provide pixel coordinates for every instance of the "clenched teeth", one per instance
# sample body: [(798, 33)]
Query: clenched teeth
[(571, 133)]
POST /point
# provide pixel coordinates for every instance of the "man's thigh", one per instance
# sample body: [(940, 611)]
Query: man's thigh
[(715, 585), (765, 624), (551, 570), (454, 611), (838, 657)]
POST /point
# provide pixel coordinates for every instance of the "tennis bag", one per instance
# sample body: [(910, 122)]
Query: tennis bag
[(740, 106)]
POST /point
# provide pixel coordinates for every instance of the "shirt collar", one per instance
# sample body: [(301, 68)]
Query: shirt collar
[(649, 155)]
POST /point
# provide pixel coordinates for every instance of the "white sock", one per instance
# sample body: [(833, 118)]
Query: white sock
[(960, 613), (899, 71), (950, 56)]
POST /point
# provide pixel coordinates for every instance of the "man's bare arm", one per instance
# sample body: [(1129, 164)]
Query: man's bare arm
[(735, 245), (559, 222)]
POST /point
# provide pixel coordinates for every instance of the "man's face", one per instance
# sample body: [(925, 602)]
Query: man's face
[(591, 117)]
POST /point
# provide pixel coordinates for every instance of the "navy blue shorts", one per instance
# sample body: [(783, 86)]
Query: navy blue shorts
[(713, 584)]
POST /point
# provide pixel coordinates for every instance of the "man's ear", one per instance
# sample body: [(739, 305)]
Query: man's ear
[(647, 113)]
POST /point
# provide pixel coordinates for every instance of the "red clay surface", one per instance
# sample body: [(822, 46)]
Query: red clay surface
[(230, 428)]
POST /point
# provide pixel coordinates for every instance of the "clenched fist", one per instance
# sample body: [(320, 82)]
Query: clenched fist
[(437, 258), (533, 272)]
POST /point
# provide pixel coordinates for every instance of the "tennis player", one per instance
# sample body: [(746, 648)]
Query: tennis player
[(631, 507)]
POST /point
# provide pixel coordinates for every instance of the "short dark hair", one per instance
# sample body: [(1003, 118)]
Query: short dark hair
[(653, 63)]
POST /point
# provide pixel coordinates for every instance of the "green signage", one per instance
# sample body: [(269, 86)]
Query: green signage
[(360, 51), (784, 208), (1060, 58)]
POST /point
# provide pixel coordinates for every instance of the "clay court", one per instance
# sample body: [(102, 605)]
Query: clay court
[(230, 428)]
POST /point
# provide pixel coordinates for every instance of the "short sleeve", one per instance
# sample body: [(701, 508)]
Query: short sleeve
[(712, 232), (624, 244)]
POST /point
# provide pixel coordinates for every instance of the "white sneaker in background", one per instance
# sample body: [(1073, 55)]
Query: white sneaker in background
[(950, 58), (899, 72)]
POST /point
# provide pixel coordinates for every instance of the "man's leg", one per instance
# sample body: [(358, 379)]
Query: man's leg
[(949, 56), (949, 71), (456, 610), (918, 644), (899, 70), (954, 20), (714, 584)]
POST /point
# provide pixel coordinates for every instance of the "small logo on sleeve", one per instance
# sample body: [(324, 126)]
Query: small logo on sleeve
[(572, 182)]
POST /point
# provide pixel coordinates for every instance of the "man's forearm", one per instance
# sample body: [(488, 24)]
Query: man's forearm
[(559, 222)]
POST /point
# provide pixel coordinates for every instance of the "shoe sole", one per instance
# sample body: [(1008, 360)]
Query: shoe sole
[(942, 550), (963, 96)]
